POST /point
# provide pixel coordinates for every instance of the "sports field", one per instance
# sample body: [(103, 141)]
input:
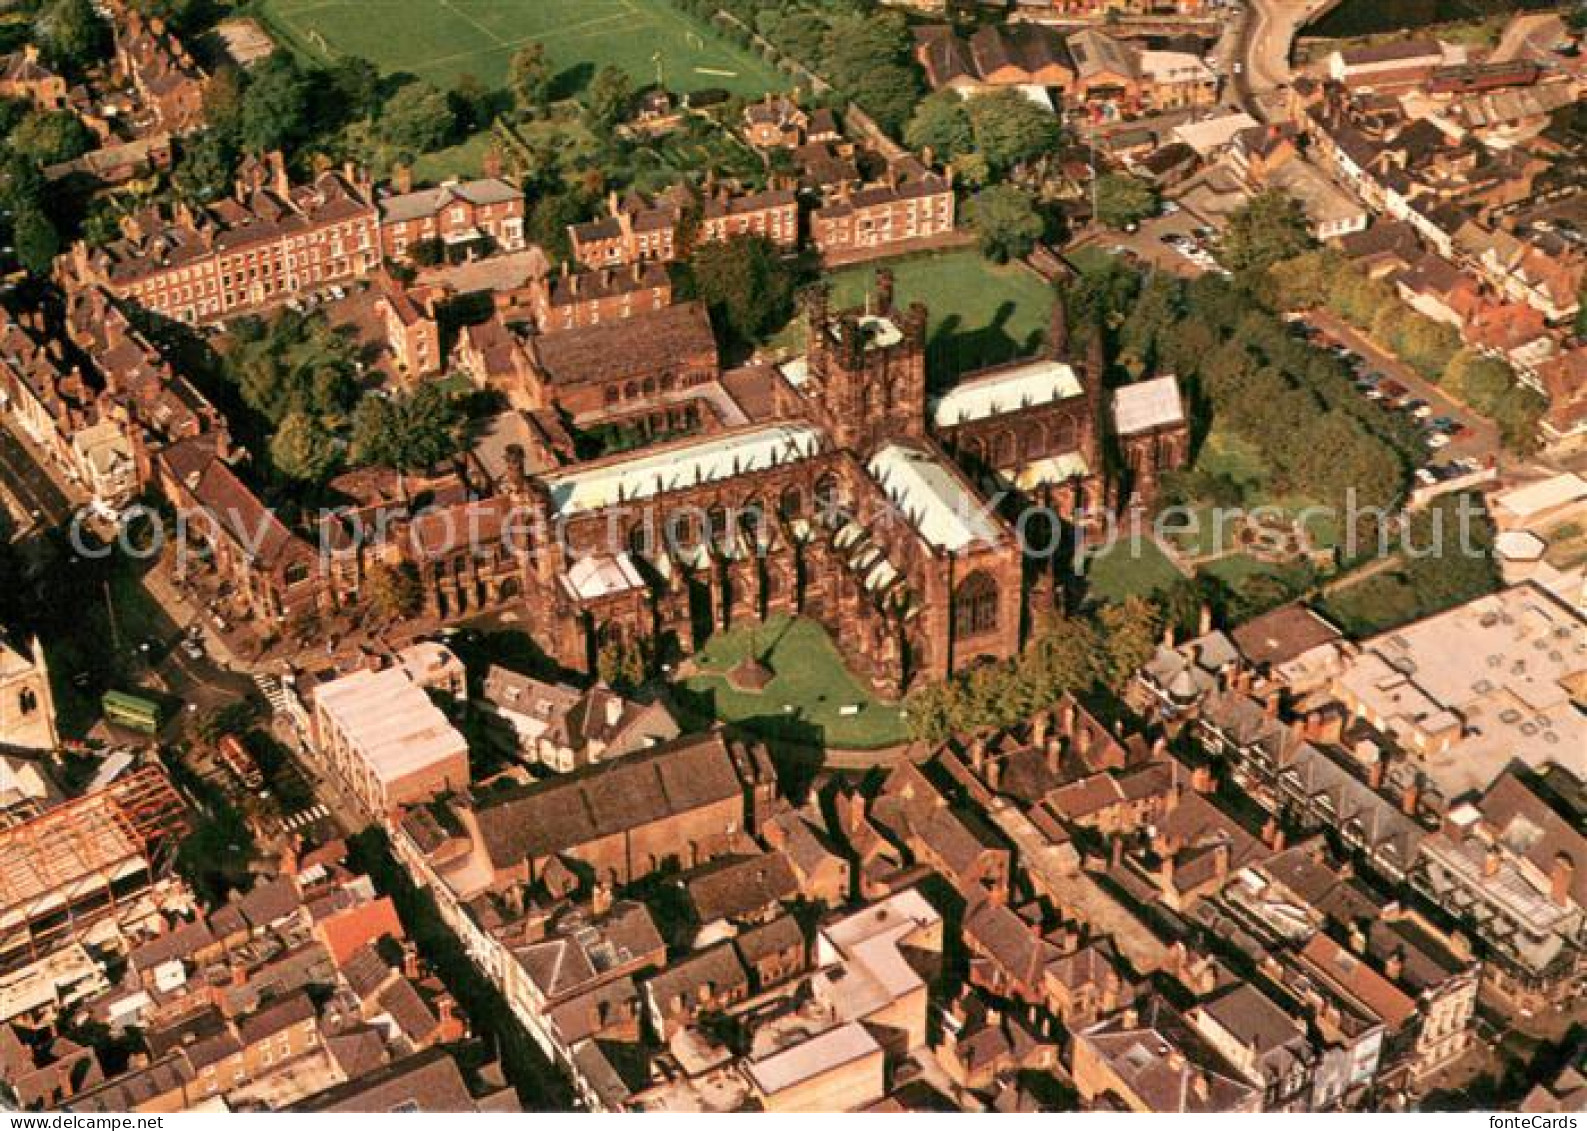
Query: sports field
[(441, 40)]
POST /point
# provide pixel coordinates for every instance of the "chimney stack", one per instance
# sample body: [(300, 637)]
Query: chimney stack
[(1561, 878)]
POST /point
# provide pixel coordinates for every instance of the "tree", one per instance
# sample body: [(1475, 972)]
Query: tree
[(1006, 222), (412, 432), (206, 170), (418, 118), (1124, 201), (1269, 228), (611, 91), (394, 590), (51, 136), (355, 82), (1306, 280), (941, 123), (301, 449), (867, 57), (273, 109), (745, 283), (529, 78), (1130, 632), (1010, 129), (36, 241), (71, 33)]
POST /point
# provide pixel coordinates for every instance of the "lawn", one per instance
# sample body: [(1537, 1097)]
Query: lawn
[(442, 40), (808, 689), (981, 313), (1225, 454), (1130, 568)]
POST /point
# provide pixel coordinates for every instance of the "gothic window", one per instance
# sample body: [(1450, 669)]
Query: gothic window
[(639, 540), (792, 503), (750, 516), (827, 499), (1004, 450), (975, 606), (717, 526), (27, 701)]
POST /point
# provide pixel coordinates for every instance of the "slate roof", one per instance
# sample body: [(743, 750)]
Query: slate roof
[(549, 817)]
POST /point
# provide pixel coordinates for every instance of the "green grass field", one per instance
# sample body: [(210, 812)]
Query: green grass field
[(442, 40), (805, 697), (1129, 568), (981, 313)]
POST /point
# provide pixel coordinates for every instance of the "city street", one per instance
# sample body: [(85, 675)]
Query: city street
[(1267, 37), (28, 483)]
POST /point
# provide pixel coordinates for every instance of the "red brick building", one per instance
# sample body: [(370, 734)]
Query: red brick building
[(170, 83), (269, 241), (913, 205), (773, 214), (634, 230), (573, 300), (485, 215)]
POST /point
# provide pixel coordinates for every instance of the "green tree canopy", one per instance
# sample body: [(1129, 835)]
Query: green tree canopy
[(51, 136), (1123, 200), (745, 283), (409, 432), (941, 123), (71, 33), (867, 55), (418, 118), (206, 169), (302, 449), (1269, 228), (1005, 221), (610, 94), (36, 240), (1010, 129), (529, 78)]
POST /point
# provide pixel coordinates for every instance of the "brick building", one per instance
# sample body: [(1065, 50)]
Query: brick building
[(911, 205), (573, 300), (160, 69), (269, 241), (485, 215), (773, 214)]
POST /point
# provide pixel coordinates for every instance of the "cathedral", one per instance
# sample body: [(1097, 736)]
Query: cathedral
[(851, 495), (837, 485)]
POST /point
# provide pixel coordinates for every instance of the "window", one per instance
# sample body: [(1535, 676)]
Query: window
[(975, 606)]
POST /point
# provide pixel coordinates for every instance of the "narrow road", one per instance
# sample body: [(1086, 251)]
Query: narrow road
[(1481, 438), (29, 483)]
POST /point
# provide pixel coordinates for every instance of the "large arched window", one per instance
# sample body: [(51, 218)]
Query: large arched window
[(829, 496), (791, 504), (975, 606)]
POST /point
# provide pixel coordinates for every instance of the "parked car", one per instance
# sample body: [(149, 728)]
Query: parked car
[(1437, 440)]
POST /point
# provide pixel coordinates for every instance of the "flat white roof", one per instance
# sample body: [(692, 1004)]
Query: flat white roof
[(1146, 405), (809, 1059), (934, 501), (656, 471), (592, 577), (390, 721), (1213, 133), (1544, 495), (1007, 390)]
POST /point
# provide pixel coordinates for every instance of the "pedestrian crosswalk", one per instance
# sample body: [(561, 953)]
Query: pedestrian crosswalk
[(270, 687), (305, 817)]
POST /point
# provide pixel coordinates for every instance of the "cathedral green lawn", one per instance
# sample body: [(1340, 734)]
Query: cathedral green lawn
[(442, 40), (808, 675), (982, 313)]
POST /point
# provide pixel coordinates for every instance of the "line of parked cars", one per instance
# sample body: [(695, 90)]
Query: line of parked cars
[(1194, 247)]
